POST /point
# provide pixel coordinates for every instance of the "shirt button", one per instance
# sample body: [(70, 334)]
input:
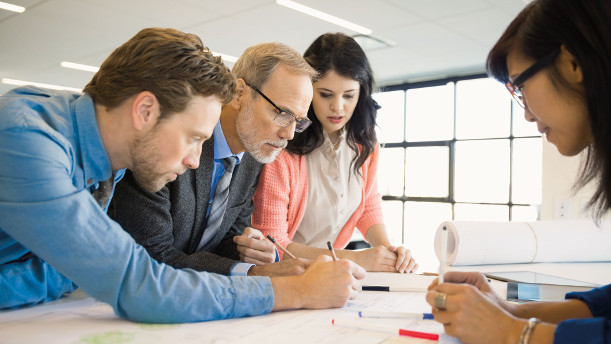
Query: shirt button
[(89, 181)]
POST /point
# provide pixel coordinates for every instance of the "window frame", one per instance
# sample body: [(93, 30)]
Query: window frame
[(451, 144)]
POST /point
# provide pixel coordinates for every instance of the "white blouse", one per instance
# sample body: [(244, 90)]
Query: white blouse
[(334, 193)]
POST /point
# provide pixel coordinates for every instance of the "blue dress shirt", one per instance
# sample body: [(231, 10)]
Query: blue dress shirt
[(53, 233), (221, 151), (592, 330)]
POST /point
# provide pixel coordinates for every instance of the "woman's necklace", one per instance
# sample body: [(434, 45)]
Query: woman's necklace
[(339, 136)]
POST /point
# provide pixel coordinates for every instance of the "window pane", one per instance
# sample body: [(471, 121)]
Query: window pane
[(421, 222), (526, 183), (430, 113), (521, 127), (482, 171), (391, 117), (482, 109), (524, 213), (393, 219), (481, 212), (390, 171), (427, 171)]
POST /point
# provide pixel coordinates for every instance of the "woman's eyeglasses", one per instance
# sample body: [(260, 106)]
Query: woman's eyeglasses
[(515, 87)]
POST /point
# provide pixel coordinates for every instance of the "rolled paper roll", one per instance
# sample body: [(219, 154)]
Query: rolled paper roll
[(479, 243)]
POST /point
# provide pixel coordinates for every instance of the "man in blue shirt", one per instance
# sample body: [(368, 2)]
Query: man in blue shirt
[(149, 108)]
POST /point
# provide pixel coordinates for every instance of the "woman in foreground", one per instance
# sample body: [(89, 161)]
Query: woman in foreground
[(555, 59)]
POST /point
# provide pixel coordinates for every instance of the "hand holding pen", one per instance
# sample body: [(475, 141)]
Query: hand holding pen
[(471, 305), (280, 247), (332, 250), (327, 280), (253, 248)]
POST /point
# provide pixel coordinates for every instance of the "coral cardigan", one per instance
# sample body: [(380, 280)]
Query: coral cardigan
[(282, 195)]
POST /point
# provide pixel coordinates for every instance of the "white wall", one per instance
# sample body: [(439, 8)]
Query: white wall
[(559, 176)]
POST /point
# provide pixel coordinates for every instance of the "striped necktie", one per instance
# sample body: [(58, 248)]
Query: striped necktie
[(219, 204)]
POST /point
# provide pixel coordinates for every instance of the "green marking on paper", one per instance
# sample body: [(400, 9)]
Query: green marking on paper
[(157, 327), (113, 337)]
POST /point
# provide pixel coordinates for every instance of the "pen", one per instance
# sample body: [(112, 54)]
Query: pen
[(389, 288), (444, 249), (280, 246), (374, 314), (363, 325), (332, 250)]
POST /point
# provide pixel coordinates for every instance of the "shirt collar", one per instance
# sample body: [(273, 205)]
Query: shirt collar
[(95, 161), (221, 148)]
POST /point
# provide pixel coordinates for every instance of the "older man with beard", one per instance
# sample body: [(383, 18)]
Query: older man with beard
[(190, 223)]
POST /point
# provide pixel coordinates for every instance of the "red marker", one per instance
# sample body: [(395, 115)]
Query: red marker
[(363, 325)]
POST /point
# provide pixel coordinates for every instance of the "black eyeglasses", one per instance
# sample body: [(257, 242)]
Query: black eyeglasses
[(285, 118), (515, 87)]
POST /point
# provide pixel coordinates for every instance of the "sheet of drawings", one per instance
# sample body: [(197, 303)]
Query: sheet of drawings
[(88, 321)]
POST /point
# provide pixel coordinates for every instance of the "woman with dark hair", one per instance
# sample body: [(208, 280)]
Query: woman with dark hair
[(323, 185), (555, 59)]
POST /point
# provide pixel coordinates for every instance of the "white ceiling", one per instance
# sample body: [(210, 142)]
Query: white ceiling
[(434, 38)]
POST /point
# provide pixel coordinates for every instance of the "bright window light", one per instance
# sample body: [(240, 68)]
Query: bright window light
[(53, 87), (11, 7), (324, 16), (79, 66)]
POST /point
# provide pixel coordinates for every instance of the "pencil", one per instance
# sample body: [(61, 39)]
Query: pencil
[(332, 250), (280, 247)]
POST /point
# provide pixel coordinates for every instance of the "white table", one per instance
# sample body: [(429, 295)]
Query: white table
[(79, 319)]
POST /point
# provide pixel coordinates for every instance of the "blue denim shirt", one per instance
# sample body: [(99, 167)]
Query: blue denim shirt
[(53, 233)]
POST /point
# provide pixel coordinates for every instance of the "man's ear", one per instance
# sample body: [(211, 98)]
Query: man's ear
[(145, 110), (240, 93), (569, 66)]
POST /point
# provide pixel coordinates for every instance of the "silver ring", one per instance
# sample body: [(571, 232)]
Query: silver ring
[(440, 301)]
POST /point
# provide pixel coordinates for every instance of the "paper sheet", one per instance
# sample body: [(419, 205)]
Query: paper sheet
[(479, 243), (87, 321)]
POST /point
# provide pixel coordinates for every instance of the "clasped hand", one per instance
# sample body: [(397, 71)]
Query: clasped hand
[(380, 258)]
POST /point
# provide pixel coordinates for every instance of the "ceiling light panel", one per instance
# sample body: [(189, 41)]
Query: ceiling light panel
[(324, 16)]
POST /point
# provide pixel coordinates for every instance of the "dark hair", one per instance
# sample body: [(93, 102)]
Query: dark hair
[(342, 54), (173, 65), (582, 27)]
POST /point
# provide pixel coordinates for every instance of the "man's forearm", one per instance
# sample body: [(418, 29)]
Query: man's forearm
[(287, 293)]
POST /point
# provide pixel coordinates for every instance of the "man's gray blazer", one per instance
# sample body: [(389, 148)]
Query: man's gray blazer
[(169, 223)]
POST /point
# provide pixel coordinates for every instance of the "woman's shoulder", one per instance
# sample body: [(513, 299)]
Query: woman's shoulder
[(286, 160), (289, 158), (374, 153)]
